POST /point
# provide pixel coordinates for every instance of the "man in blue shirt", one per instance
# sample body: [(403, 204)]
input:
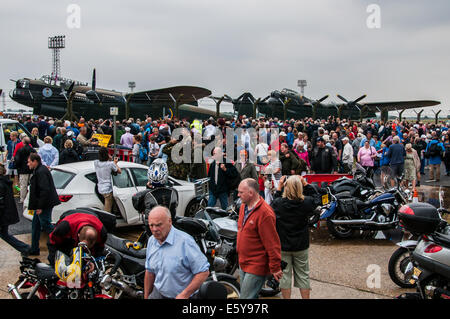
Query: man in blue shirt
[(367, 138), (175, 266), (396, 155)]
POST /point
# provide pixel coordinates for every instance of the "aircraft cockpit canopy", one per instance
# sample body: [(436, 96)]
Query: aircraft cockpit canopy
[(23, 84)]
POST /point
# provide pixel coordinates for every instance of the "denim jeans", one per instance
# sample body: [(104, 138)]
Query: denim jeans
[(251, 285), (42, 222), (223, 197), (13, 241)]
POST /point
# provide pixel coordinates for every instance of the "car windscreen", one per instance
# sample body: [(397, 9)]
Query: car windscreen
[(11, 127), (61, 178)]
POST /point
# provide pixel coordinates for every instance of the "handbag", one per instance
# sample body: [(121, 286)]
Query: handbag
[(12, 164)]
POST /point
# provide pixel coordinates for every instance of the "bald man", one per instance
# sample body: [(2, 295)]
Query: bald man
[(258, 245), (75, 228), (175, 266)]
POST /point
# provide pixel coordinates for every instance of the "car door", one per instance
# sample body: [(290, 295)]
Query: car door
[(184, 193), (139, 177), (123, 191)]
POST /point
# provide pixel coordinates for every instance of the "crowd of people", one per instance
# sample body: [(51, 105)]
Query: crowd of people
[(263, 169)]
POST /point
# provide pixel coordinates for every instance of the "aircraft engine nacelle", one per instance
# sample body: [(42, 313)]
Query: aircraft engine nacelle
[(93, 96)]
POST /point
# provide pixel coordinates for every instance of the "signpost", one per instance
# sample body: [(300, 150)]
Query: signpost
[(114, 111)]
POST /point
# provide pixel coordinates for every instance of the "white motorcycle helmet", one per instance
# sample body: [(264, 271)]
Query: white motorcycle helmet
[(158, 172)]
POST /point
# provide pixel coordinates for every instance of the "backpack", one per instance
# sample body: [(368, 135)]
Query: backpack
[(434, 150), (233, 182), (143, 156)]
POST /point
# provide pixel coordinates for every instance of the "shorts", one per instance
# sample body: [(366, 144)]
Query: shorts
[(10, 171), (397, 170), (298, 266)]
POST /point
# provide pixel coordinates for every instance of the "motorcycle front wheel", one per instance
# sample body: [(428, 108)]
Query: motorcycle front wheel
[(397, 267), (231, 285)]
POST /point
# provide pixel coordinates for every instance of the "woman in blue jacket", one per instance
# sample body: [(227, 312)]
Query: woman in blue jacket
[(384, 160), (435, 158)]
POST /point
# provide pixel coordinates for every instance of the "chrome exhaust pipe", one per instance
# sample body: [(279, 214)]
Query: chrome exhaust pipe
[(14, 292), (107, 282), (362, 222), (350, 222)]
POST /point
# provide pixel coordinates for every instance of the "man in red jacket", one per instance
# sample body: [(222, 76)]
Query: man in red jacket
[(258, 244), (76, 228)]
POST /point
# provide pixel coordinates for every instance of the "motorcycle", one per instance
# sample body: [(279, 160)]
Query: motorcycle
[(65, 281), (346, 214), (429, 264), (360, 186), (401, 258), (128, 264), (226, 223)]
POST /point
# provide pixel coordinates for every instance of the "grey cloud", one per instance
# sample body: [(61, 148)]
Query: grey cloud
[(236, 46)]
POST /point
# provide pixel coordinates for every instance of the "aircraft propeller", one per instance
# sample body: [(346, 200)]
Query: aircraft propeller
[(92, 94), (317, 102), (351, 104)]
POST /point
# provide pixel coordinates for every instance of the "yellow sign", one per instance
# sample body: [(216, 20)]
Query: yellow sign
[(103, 139), (325, 199)]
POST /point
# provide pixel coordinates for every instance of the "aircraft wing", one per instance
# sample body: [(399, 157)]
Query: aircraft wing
[(184, 95), (401, 105)]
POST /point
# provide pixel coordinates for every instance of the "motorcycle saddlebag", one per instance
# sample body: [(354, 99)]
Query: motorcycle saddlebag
[(108, 220), (347, 206), (419, 218)]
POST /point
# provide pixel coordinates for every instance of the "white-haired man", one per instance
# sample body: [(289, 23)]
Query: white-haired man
[(175, 267)]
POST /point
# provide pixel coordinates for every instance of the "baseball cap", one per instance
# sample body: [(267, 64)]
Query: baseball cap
[(127, 129)]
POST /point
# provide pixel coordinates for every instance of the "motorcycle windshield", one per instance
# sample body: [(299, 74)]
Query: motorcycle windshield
[(68, 269)]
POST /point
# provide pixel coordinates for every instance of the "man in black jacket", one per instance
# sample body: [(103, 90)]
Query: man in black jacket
[(43, 197), (21, 160), (324, 159), (220, 173), (289, 161), (8, 213)]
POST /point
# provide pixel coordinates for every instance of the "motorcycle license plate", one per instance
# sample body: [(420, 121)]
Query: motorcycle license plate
[(417, 273), (31, 212), (325, 200)]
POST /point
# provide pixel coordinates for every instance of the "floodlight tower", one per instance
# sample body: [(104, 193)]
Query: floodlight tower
[(302, 85), (3, 101), (56, 43), (131, 85)]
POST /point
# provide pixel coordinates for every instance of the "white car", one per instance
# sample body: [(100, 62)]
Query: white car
[(75, 185)]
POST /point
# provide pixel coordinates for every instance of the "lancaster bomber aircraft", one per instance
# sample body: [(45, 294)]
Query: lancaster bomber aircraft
[(52, 97), (290, 104), (63, 97)]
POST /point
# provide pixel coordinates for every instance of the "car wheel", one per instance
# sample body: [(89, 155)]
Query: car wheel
[(192, 208)]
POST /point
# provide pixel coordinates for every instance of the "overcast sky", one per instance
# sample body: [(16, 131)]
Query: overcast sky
[(231, 46)]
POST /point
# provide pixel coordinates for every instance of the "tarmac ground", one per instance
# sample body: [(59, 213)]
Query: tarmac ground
[(356, 268)]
